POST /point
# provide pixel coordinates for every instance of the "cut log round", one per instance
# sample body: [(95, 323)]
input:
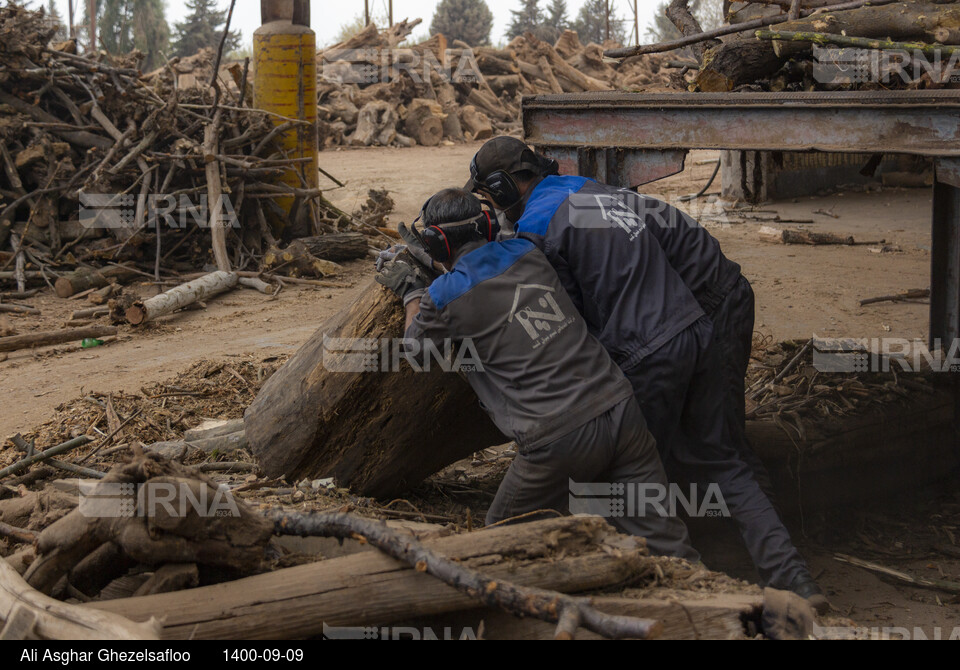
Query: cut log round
[(378, 431), (376, 124), (424, 122), (180, 296), (452, 130), (476, 125), (735, 63), (86, 278)]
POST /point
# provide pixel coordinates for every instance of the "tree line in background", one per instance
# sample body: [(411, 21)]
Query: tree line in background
[(124, 25), (471, 21)]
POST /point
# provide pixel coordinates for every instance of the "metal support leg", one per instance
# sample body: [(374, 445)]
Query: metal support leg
[(945, 265)]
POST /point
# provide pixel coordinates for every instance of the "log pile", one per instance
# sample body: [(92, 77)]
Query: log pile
[(91, 574), (858, 45), (102, 165), (127, 559), (372, 93)]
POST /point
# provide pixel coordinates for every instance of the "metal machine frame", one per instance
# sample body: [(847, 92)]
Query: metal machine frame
[(629, 139)]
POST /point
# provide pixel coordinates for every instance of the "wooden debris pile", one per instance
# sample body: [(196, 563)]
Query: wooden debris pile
[(838, 422), (373, 93), (100, 164), (58, 555), (783, 380), (809, 45), (177, 557)]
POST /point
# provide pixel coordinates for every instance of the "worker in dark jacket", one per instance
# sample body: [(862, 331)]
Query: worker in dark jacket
[(722, 292), (544, 380), (638, 306)]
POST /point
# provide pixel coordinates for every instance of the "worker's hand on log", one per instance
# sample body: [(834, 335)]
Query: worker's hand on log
[(786, 616), (388, 255), (414, 246), (404, 279)]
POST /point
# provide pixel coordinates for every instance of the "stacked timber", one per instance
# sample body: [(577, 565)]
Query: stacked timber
[(373, 93)]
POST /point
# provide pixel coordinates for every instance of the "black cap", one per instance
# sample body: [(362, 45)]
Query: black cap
[(502, 153)]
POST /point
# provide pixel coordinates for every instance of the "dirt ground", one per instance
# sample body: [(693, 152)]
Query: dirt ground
[(800, 291)]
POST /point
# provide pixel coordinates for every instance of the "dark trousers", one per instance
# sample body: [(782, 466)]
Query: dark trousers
[(682, 394), (611, 454), (733, 321)]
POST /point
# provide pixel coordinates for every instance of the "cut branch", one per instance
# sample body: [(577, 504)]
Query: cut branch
[(568, 612)]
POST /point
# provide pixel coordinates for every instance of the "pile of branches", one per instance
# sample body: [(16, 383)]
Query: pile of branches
[(372, 93), (85, 142), (807, 45), (783, 381)]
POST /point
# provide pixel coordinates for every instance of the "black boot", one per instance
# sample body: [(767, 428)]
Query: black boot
[(805, 587)]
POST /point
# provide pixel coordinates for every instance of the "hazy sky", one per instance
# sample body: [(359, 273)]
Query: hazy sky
[(328, 17)]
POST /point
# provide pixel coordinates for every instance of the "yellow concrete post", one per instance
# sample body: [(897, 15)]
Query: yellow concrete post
[(285, 82)]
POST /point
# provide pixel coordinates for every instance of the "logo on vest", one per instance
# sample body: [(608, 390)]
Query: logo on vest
[(539, 314)]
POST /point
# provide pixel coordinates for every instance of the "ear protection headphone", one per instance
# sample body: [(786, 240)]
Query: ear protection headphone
[(501, 185), (441, 240)]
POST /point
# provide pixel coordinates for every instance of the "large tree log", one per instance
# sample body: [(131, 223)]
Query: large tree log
[(901, 21), (181, 296), (744, 61), (378, 432), (735, 63), (570, 554)]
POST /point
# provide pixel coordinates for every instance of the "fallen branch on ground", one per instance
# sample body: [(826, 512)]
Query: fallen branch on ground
[(567, 612), (912, 294), (922, 582), (48, 337)]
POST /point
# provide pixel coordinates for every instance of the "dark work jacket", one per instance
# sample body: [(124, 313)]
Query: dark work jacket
[(541, 374), (610, 263), (692, 251)]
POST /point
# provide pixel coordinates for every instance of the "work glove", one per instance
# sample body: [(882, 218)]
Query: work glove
[(415, 248), (388, 255), (404, 278), (786, 616)]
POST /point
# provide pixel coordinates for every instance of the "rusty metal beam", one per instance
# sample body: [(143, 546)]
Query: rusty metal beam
[(923, 123), (618, 167)]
